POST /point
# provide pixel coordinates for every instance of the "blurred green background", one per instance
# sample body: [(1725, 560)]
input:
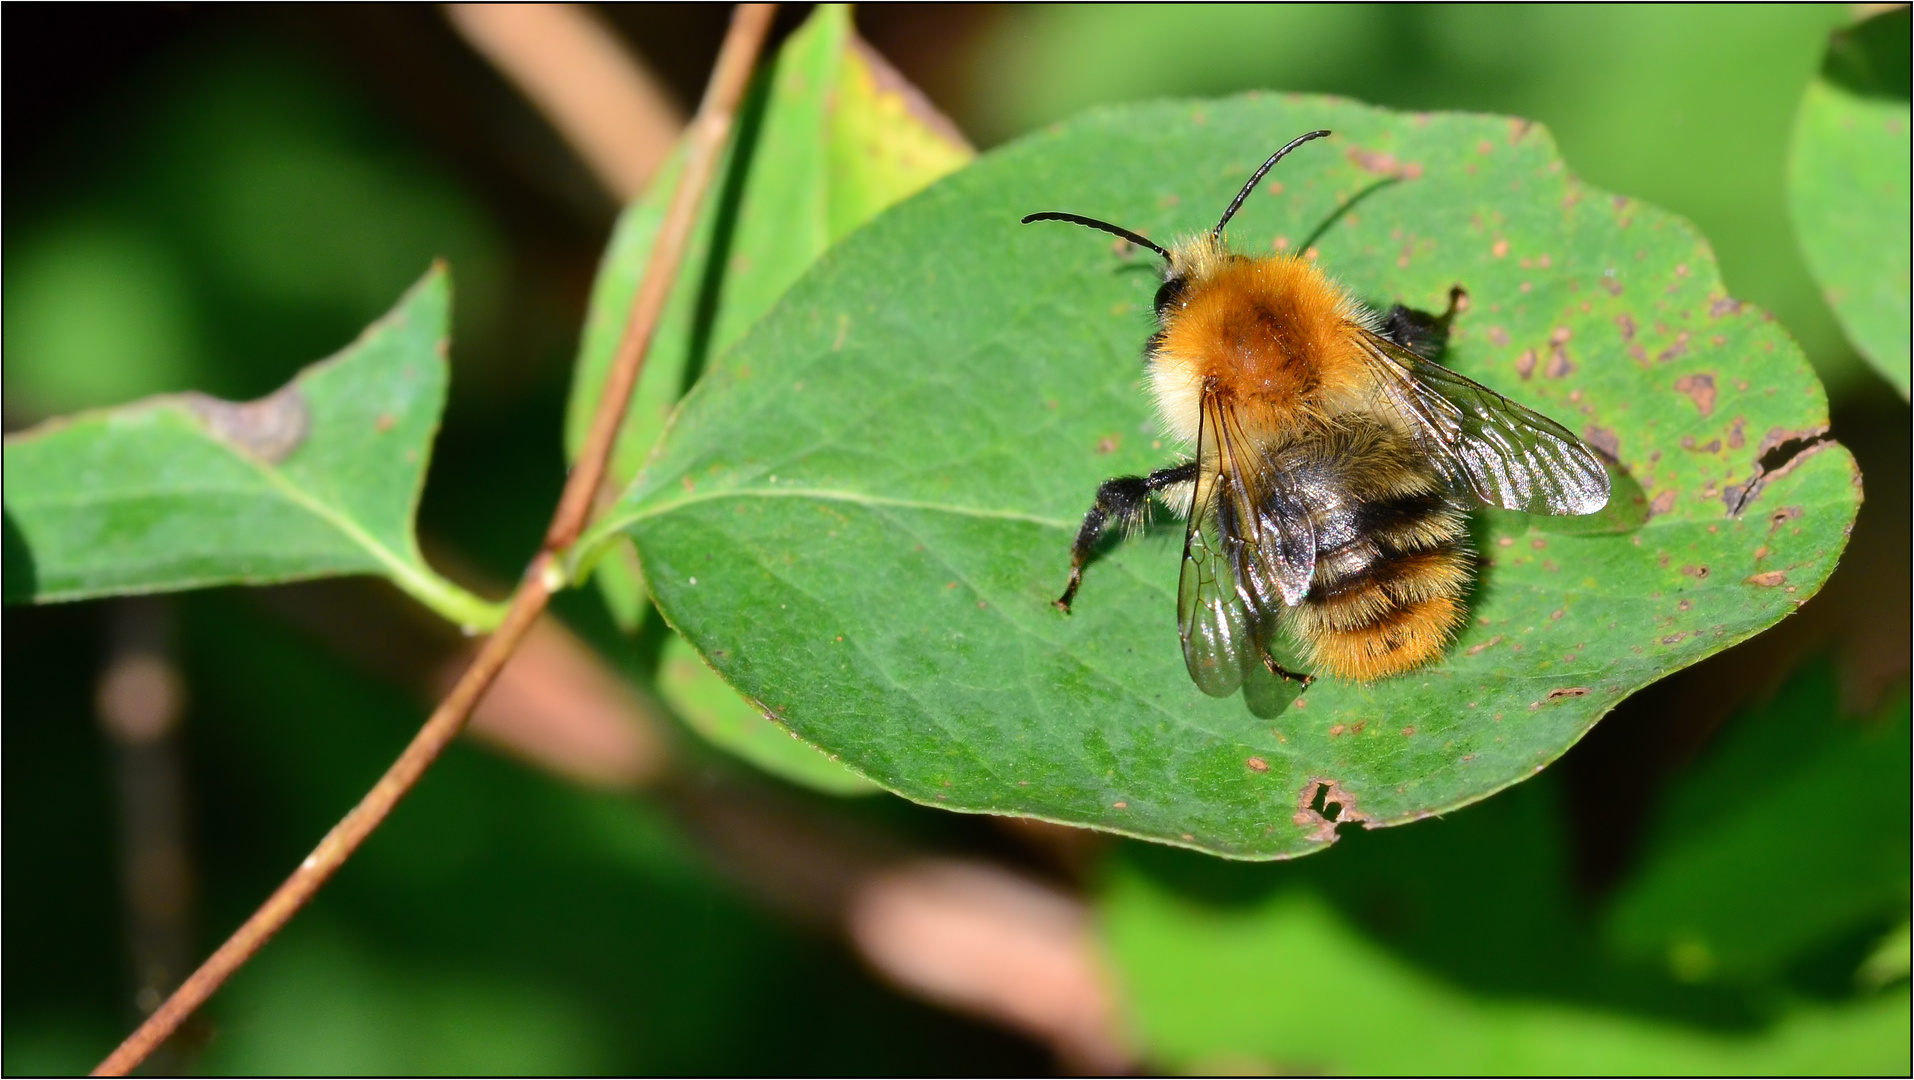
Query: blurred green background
[(210, 197)]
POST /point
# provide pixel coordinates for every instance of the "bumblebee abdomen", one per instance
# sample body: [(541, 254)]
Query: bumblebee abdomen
[(1391, 573)]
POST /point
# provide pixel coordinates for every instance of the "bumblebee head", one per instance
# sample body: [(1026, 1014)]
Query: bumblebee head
[(1195, 258)]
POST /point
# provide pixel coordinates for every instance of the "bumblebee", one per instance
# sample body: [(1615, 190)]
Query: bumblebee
[(1335, 462)]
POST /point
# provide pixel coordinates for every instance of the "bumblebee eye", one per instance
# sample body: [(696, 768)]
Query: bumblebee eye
[(1167, 295)]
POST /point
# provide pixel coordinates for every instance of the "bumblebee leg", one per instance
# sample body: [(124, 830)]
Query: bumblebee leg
[(1284, 673), (1421, 333), (1121, 500)]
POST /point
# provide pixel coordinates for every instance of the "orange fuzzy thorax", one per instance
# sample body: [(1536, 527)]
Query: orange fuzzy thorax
[(1270, 336)]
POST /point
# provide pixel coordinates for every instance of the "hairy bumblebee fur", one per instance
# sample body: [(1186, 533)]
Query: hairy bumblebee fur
[(1334, 462)]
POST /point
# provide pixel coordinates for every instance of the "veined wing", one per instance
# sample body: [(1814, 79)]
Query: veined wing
[(1490, 450), (1250, 549)]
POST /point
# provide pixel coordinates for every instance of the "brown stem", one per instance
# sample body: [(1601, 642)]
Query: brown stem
[(702, 143), (741, 45)]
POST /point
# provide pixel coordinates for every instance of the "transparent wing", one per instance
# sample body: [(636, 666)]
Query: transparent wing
[(1249, 551), (1490, 449)]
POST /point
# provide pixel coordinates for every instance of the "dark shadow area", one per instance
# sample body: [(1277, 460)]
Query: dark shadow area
[(1871, 57), (730, 197), (22, 581), (1343, 211)]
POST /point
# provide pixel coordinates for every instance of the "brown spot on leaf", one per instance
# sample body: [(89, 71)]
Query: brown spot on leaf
[(1696, 572), (1109, 443), (1525, 363), (1336, 729), (1489, 644), (1558, 363), (1566, 692), (1700, 390), (1627, 325), (1676, 351), (1727, 305), (1604, 440), (1767, 579), (269, 429), (1381, 163), (1661, 503), (1257, 764), (1408, 731)]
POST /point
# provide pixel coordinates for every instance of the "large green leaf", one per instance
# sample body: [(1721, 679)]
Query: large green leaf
[(185, 491), (833, 138), (862, 512), (1723, 890), (1848, 186)]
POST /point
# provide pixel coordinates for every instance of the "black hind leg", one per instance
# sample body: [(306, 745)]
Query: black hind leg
[(1419, 332), (1284, 673), (1122, 500)]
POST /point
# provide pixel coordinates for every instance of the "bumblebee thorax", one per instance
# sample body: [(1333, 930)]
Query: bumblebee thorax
[(1269, 334)]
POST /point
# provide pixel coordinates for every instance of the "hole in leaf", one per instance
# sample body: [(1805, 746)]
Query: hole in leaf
[(1776, 458), (1320, 803)]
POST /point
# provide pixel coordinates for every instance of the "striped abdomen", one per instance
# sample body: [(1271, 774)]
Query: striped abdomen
[(1392, 563)]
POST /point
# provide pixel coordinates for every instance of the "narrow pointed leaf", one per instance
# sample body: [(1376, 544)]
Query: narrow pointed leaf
[(835, 136)]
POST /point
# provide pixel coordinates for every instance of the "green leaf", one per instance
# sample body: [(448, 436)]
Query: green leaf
[(1848, 186), (1459, 947), (1792, 831), (863, 511), (186, 491), (1891, 959), (1289, 985), (834, 137), (831, 138), (716, 712), (798, 184)]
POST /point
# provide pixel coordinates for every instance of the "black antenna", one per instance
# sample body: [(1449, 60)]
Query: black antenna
[(1075, 219), (1260, 173)]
